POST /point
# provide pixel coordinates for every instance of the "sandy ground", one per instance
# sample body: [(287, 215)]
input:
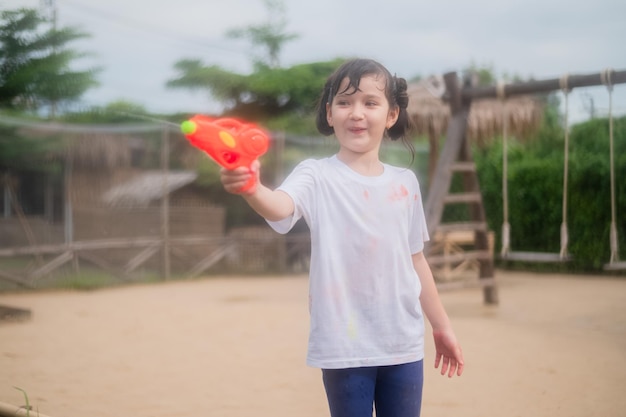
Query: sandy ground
[(234, 347)]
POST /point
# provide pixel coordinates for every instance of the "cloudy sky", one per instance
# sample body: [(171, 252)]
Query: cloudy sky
[(136, 42)]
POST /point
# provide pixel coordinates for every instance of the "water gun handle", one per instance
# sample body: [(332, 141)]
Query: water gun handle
[(228, 141)]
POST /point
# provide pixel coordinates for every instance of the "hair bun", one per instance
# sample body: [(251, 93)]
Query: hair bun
[(401, 94)]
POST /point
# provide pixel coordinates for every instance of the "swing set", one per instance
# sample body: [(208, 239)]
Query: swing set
[(456, 157), (563, 255)]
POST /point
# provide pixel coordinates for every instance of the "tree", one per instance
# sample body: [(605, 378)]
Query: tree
[(35, 63), (270, 91), (265, 93), (270, 35)]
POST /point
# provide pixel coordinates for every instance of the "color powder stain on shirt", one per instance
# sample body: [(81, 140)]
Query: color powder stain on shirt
[(398, 194), (352, 328), (366, 194)]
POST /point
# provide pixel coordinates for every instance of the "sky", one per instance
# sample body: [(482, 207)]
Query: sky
[(137, 42)]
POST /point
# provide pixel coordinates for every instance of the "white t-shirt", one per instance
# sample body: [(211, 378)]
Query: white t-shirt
[(363, 290)]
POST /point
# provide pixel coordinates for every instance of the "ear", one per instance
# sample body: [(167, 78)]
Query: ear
[(392, 116), (329, 116)]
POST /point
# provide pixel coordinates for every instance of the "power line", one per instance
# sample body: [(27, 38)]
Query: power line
[(151, 29)]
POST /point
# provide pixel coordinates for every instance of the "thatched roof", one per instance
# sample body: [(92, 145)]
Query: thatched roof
[(147, 187), (430, 113)]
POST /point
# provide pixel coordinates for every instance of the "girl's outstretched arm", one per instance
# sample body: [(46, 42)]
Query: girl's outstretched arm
[(448, 352), (271, 204)]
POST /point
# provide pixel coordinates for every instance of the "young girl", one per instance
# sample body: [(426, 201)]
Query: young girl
[(370, 283)]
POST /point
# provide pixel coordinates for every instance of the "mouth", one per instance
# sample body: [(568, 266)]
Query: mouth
[(357, 130)]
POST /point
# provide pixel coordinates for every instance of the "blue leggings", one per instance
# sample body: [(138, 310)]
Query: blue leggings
[(396, 391)]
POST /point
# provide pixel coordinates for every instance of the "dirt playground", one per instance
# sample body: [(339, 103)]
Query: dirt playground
[(235, 347)]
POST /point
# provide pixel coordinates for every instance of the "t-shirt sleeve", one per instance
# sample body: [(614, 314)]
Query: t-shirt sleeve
[(418, 229), (299, 186)]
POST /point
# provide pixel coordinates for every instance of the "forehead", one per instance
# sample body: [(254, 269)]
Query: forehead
[(369, 83)]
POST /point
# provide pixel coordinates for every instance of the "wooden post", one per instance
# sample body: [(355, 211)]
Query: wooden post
[(68, 208), (165, 202), (481, 236)]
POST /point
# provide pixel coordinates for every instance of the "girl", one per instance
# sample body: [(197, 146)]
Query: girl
[(370, 283)]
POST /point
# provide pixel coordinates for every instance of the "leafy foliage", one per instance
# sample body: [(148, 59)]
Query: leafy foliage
[(270, 35), (266, 93), (535, 184), (35, 63), (19, 151)]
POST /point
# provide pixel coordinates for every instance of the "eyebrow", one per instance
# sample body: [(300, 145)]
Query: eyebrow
[(366, 97)]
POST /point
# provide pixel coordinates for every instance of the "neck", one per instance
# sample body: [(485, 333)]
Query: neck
[(367, 164)]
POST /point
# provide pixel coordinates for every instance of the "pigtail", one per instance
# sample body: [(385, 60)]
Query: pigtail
[(321, 122), (400, 98)]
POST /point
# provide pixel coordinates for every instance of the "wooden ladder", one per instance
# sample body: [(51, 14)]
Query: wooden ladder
[(456, 159)]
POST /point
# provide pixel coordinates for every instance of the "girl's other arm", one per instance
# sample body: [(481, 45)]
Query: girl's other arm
[(447, 349), (271, 204)]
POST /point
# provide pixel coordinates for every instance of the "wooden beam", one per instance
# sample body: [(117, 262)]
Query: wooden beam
[(615, 266), (120, 243), (457, 285), (460, 257), (542, 257), (544, 86), (210, 260), (52, 265), (107, 266), (16, 279), (140, 258)]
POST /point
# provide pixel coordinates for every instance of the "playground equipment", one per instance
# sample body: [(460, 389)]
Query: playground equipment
[(614, 263), (456, 158), (506, 252)]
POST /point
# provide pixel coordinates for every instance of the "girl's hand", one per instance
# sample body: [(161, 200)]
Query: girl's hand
[(448, 353), (234, 180)]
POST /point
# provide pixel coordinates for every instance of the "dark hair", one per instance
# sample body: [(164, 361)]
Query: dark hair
[(354, 70)]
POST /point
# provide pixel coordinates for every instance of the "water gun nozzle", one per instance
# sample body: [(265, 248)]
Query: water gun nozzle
[(188, 127)]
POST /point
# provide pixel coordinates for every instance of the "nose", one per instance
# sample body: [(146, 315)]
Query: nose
[(357, 113)]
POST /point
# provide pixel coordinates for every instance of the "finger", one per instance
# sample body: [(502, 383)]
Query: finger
[(446, 364), (235, 187), (458, 358), (453, 367), (228, 177), (437, 360)]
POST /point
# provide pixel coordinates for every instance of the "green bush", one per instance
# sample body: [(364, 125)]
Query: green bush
[(535, 183)]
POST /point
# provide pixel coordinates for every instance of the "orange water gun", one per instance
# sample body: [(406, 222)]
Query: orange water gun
[(229, 142)]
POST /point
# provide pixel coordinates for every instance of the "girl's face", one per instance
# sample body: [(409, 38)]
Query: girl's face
[(359, 118)]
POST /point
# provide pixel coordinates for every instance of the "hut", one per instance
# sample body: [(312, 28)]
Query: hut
[(106, 195)]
